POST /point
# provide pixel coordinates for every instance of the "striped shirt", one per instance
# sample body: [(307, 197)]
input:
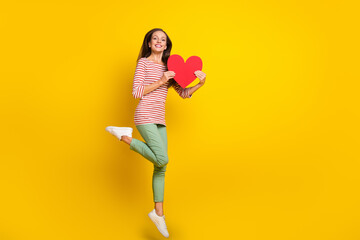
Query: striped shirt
[(151, 107)]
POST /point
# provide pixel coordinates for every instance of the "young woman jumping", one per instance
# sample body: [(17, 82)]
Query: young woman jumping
[(150, 85)]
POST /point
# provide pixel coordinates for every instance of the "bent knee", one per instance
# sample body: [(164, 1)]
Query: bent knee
[(162, 161)]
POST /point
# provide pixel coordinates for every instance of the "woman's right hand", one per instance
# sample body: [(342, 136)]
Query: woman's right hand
[(167, 76)]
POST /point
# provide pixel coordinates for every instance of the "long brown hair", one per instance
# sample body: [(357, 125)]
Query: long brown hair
[(145, 51)]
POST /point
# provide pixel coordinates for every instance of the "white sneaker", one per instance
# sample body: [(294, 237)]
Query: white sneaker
[(119, 131), (159, 222)]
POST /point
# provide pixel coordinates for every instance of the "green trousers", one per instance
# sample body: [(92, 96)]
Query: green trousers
[(155, 150)]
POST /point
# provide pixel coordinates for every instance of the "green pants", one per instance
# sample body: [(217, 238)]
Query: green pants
[(155, 150)]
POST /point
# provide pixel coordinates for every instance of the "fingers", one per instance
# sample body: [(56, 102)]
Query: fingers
[(201, 75), (170, 73), (198, 72)]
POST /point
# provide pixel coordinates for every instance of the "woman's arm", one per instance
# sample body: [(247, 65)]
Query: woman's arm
[(194, 88), (153, 86), (164, 79), (187, 92), (202, 76), (139, 77), (139, 89), (183, 92)]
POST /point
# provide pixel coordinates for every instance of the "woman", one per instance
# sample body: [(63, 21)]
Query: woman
[(151, 83)]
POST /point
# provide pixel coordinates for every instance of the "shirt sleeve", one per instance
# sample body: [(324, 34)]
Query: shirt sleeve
[(183, 92), (139, 77)]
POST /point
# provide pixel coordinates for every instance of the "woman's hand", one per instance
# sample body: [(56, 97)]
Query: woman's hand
[(201, 75), (167, 76)]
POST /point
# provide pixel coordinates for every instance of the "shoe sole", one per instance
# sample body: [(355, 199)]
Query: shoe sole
[(122, 128), (128, 131)]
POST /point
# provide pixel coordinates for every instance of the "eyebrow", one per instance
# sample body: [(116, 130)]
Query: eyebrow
[(156, 36)]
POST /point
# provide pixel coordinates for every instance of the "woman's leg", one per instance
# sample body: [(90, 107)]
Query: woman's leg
[(158, 183), (159, 172), (154, 135), (154, 149)]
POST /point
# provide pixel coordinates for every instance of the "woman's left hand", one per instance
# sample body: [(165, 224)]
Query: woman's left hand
[(201, 75)]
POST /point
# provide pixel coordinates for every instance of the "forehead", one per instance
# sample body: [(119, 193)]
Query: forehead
[(159, 34)]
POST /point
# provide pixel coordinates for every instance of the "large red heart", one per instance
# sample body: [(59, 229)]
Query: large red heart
[(184, 71)]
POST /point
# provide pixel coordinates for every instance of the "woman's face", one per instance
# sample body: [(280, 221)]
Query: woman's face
[(158, 41)]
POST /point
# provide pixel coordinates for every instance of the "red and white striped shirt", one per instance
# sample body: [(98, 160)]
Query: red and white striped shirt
[(151, 107)]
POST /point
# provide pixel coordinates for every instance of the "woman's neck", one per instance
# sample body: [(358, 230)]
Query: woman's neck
[(156, 57)]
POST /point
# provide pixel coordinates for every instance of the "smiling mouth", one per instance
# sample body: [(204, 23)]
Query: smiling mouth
[(158, 46)]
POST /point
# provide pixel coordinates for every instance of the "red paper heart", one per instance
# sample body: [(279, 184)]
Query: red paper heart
[(184, 71)]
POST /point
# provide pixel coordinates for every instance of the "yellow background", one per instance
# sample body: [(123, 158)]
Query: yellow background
[(267, 149)]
